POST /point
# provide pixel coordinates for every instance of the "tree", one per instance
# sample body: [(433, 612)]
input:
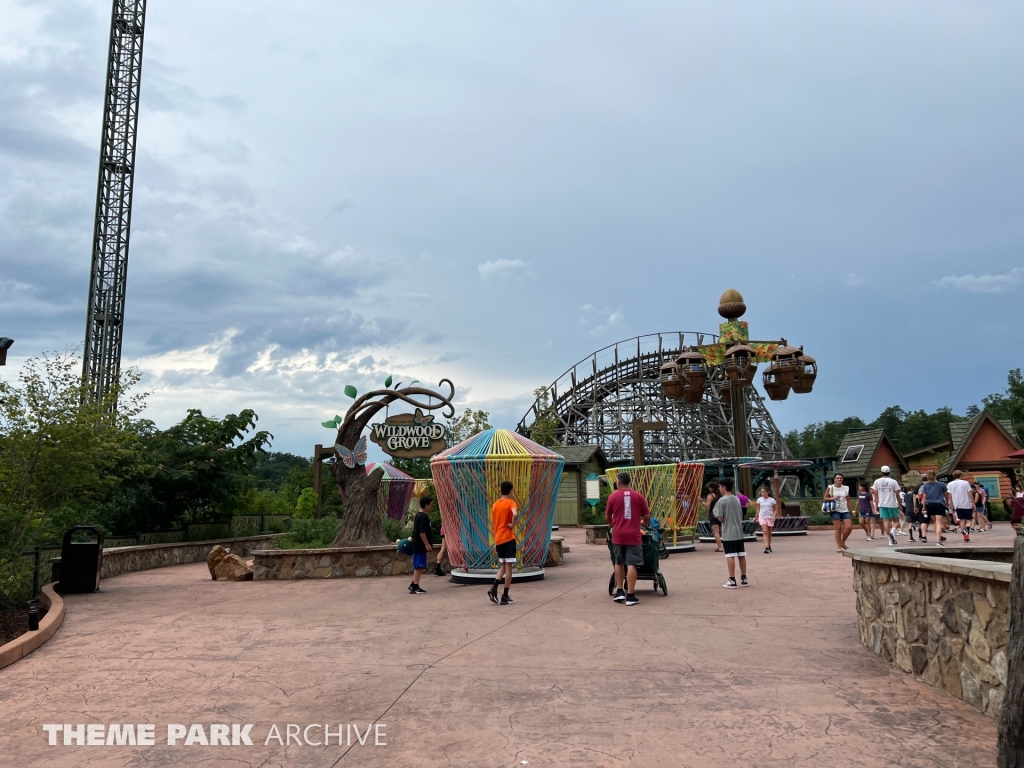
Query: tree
[(63, 455), (821, 438), (465, 426), (1010, 405), (199, 467), (544, 430)]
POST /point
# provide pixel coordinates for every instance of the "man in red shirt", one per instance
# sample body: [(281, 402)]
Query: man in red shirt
[(625, 510)]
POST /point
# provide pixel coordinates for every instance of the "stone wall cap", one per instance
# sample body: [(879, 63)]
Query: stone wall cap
[(211, 542), (324, 551), (979, 569)]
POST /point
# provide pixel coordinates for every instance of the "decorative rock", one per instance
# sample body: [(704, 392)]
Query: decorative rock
[(233, 568), (918, 658), (999, 666), (982, 610), (217, 554)]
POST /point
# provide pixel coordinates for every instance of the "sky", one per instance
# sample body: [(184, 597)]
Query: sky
[(329, 193)]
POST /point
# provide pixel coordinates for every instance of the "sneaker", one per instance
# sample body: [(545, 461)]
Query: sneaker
[(911, 538), (867, 538), (492, 595), (766, 550), (771, 551), (967, 537), (924, 540), (437, 570), (744, 582), (620, 596), (730, 584), (416, 589), (505, 600), (892, 539), (632, 600)]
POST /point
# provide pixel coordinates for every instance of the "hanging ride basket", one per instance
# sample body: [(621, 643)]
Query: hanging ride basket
[(775, 385), (694, 372), (740, 365), (671, 381), (786, 365), (808, 372)]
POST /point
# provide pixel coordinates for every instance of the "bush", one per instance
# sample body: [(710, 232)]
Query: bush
[(309, 534), (393, 529), (999, 512), (819, 519), (592, 516)]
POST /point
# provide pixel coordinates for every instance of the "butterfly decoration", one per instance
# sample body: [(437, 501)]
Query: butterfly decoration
[(356, 456), (420, 419)]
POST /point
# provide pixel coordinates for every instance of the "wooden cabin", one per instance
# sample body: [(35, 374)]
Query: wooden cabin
[(978, 448), (580, 461), (863, 453)]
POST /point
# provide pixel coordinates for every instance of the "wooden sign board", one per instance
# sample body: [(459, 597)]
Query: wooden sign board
[(409, 436)]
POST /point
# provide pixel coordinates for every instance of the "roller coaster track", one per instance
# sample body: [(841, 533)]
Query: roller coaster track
[(596, 401)]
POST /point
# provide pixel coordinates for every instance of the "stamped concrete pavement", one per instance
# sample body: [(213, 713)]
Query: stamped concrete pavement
[(772, 675)]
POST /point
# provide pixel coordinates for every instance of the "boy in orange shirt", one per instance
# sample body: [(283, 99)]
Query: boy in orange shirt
[(503, 515)]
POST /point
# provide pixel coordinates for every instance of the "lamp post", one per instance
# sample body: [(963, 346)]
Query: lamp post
[(789, 370)]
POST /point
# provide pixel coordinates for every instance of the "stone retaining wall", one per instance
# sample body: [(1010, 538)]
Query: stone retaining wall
[(352, 562), (948, 628), (130, 559)]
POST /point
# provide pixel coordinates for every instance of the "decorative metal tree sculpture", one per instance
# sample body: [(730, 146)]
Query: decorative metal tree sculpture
[(361, 523)]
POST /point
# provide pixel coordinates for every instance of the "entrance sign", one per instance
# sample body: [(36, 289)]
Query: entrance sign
[(409, 435)]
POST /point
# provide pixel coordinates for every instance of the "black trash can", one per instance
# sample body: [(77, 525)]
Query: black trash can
[(80, 562)]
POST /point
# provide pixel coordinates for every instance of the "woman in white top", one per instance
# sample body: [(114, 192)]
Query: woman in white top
[(766, 517), (842, 520)]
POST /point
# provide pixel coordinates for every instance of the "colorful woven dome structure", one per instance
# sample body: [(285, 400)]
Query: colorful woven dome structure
[(467, 479), (672, 491), (395, 491)]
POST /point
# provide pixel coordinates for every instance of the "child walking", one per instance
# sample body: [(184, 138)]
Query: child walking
[(766, 517), (728, 510), (420, 545), (503, 515)]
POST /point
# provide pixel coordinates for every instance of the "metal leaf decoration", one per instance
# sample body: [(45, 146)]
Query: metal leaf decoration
[(329, 424), (387, 381), (351, 391)]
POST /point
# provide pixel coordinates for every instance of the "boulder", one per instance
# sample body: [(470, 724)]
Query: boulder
[(233, 568), (217, 554)]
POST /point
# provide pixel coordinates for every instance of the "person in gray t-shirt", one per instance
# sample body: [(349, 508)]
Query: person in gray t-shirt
[(729, 511)]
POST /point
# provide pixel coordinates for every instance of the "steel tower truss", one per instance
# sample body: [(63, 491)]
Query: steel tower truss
[(105, 318), (597, 400)]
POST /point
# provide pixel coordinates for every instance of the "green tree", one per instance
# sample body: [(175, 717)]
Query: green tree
[(200, 467), (544, 430), (821, 438), (417, 468), (1010, 404), (463, 427), (63, 455)]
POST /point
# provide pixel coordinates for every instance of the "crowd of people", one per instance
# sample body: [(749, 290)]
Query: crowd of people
[(900, 510)]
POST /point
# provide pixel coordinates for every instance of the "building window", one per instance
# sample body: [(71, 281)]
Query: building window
[(852, 454), (990, 483)]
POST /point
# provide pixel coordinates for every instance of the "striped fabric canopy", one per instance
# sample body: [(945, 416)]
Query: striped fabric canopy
[(672, 491), (467, 479), (395, 491)]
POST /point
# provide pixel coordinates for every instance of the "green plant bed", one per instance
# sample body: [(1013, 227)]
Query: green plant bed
[(309, 534)]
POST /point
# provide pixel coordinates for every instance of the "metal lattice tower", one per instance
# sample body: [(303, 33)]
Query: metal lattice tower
[(105, 318), (597, 400)]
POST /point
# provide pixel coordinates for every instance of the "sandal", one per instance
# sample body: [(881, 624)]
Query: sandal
[(718, 550)]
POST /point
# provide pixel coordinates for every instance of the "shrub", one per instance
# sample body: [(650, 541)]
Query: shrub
[(819, 519), (309, 534), (393, 529), (592, 516)]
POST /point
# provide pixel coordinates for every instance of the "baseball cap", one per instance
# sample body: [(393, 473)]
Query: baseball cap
[(885, 469)]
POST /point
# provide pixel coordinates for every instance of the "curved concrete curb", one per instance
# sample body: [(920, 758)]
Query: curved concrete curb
[(22, 646)]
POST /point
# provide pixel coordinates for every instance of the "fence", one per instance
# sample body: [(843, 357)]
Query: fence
[(240, 526)]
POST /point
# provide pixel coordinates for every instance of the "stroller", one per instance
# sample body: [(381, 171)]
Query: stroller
[(652, 543)]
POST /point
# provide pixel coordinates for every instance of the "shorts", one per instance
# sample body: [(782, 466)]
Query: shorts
[(889, 513), (419, 561), (979, 510), (920, 517), (965, 514), (770, 522), (734, 548), (863, 515), (840, 515), (935, 509), (628, 554), (506, 551)]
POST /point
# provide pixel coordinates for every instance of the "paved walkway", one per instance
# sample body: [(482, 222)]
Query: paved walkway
[(773, 675)]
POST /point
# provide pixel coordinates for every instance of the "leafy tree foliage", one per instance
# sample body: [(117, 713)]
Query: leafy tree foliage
[(544, 430), (463, 427), (1010, 404)]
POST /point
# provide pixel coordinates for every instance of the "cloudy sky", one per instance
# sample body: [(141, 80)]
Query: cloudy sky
[(328, 193)]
